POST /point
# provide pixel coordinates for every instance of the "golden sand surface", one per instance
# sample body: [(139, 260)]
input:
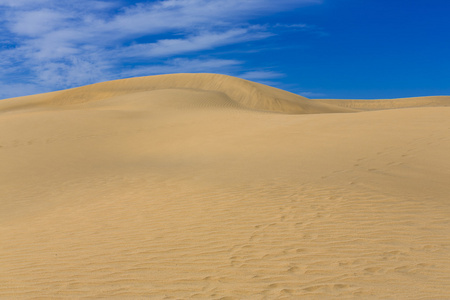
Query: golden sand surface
[(202, 186)]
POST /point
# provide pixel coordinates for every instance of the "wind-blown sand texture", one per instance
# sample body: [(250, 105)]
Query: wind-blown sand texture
[(212, 187)]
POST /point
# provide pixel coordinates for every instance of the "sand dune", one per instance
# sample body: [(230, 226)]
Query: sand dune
[(380, 104), (240, 92), (212, 187)]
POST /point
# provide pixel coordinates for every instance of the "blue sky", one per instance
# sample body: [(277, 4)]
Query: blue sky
[(317, 48)]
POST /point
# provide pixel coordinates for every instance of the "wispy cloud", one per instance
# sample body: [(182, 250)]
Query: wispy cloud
[(59, 44), (198, 42)]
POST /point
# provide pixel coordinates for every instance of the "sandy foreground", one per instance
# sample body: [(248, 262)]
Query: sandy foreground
[(212, 187)]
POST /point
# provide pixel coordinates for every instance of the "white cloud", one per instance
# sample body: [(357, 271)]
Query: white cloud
[(201, 41), (33, 23), (160, 16), (59, 44), (299, 26), (72, 72), (21, 3)]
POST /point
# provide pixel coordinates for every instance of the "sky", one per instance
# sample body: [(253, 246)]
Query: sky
[(353, 49)]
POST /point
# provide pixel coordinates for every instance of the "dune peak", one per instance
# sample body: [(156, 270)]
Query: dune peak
[(243, 93)]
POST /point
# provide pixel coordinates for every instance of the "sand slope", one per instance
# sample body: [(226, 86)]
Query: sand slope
[(240, 92), (187, 186), (380, 104)]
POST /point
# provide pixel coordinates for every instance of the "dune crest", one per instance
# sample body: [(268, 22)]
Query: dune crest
[(380, 104), (244, 93)]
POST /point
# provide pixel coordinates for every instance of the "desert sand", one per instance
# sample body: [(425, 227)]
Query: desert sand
[(207, 186)]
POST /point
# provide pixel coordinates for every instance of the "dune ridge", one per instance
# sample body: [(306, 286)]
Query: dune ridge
[(169, 187), (380, 104), (247, 94)]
